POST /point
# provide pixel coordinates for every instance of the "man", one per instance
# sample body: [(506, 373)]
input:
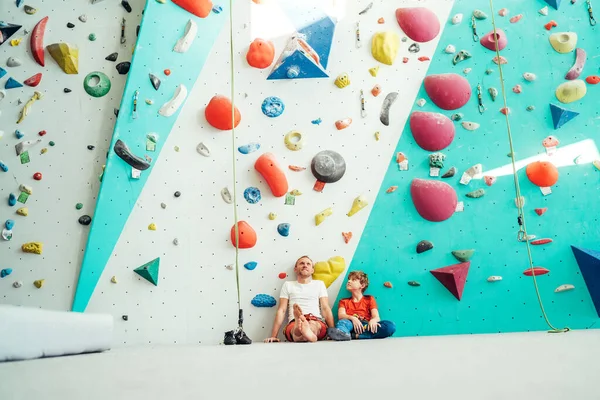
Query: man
[(302, 298)]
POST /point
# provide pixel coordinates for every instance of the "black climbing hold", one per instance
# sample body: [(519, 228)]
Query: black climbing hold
[(90, 147), (112, 57), (137, 31), (70, 25), (85, 220), (116, 111), (177, 193), (126, 5), (126, 155), (67, 90), (155, 81), (123, 67), (125, 317), (423, 246)]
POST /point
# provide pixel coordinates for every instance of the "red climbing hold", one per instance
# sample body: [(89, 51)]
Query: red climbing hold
[(260, 53), (432, 131), (434, 200), (593, 79), (453, 277), (36, 41), (269, 168), (541, 211), (200, 8), (542, 173), (218, 113), (405, 60), (282, 275), (448, 91), (167, 72), (550, 25), (347, 236), (246, 233), (41, 133), (536, 271), (37, 176), (538, 242), (424, 58), (419, 23), (34, 80)]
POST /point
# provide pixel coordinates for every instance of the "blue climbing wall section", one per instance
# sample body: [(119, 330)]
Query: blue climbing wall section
[(489, 224), (162, 26)]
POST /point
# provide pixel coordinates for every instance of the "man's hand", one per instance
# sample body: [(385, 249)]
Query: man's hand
[(373, 325), (271, 340), (358, 327)]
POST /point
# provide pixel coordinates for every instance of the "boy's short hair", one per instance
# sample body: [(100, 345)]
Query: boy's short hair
[(361, 276)]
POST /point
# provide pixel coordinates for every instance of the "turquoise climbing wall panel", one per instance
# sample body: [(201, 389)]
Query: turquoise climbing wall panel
[(489, 224), (162, 26)]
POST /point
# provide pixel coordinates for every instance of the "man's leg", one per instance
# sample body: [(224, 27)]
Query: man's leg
[(303, 331), (386, 329)]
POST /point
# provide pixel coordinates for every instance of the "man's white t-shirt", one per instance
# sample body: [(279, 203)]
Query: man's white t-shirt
[(306, 295)]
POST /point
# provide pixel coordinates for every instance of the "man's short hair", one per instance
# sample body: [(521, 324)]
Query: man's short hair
[(296, 263), (361, 276)]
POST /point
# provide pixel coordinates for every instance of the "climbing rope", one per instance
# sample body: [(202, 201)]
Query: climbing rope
[(522, 235)]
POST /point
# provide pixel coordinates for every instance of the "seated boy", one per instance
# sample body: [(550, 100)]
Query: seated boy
[(358, 315)]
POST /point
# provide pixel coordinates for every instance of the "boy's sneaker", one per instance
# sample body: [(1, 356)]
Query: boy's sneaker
[(229, 339), (242, 338), (338, 335)]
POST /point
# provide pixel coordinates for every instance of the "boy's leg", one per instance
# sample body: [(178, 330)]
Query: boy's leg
[(386, 329), (345, 325), (342, 330)]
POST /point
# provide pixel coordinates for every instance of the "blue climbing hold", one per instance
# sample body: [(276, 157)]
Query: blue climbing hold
[(554, 3), (250, 265), (284, 229), (12, 84), (589, 264), (249, 148), (3, 167), (5, 272), (2, 72), (263, 300), (316, 121), (217, 9), (273, 107), (561, 116), (19, 134), (252, 195), (12, 199), (293, 72), (19, 2), (9, 224)]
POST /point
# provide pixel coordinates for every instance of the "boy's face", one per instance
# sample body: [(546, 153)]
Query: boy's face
[(354, 284), (304, 267)]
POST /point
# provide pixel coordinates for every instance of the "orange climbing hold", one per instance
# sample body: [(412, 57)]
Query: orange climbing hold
[(381, 21), (267, 166), (541, 211), (347, 236), (200, 8), (218, 113), (167, 72), (593, 79), (550, 25), (391, 189), (261, 53), (542, 173), (296, 168), (424, 58), (343, 123), (246, 233)]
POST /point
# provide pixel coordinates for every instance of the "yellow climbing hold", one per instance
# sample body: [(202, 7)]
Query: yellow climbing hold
[(328, 271), (152, 227), (342, 81), (384, 47), (32, 247), (272, 216), (571, 91), (15, 42), (358, 204), (374, 71), (296, 192), (39, 283), (377, 136), (23, 211), (563, 42), (66, 56), (320, 217), (43, 151), (113, 279), (596, 164)]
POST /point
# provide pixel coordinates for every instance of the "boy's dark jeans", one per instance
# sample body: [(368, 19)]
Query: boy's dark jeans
[(386, 329)]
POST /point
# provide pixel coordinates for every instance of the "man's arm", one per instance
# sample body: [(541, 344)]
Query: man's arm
[(326, 311), (279, 317)]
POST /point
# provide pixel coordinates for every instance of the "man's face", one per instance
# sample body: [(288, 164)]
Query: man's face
[(353, 284), (304, 267)]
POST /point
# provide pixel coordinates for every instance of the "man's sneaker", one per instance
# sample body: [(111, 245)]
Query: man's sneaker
[(337, 334), (242, 338), (229, 339)]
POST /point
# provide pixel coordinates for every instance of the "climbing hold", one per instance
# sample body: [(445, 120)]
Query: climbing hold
[(85, 220), (78, 206), (505, 110), (376, 90), (167, 72), (539, 242), (189, 34), (320, 217), (450, 49), (38, 283), (5, 272), (343, 123), (503, 12), (563, 42), (25, 111), (550, 25), (283, 229), (83, 18), (3, 166), (70, 25), (434, 200), (113, 279), (457, 117), (177, 194), (475, 194), (530, 108), (489, 180), (561, 116), (593, 79), (470, 126), (542, 173), (479, 14), (7, 234), (358, 204), (171, 106), (66, 56), (448, 91), (418, 23), (431, 131), (535, 271), (36, 41), (550, 141), (347, 236), (155, 81), (32, 247), (328, 166), (13, 62), (176, 242), (12, 199), (384, 47), (553, 3), (200, 8), (37, 176), (112, 57), (499, 60), (328, 271), (457, 19), (294, 140), (268, 167), (122, 150), (453, 277), (149, 271), (494, 278), (260, 53), (263, 300), (413, 48), (250, 265), (391, 189), (489, 40), (101, 88), (541, 211), (577, 68), (388, 285), (530, 77), (246, 233), (463, 255), (571, 91), (516, 18), (381, 20), (11, 83), (203, 150), (34, 80), (249, 148), (123, 67), (421, 102), (282, 275), (67, 90), (450, 173), (29, 10), (423, 246), (342, 80), (564, 288), (414, 283), (271, 106), (461, 56), (152, 227), (436, 160), (252, 195), (373, 71), (226, 195), (126, 5), (9, 224), (517, 89), (17, 284), (92, 37), (218, 113)]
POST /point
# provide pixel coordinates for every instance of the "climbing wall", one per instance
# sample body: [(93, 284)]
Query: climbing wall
[(488, 224)]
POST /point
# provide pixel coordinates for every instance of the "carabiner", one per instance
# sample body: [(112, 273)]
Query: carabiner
[(480, 99), (474, 26), (591, 13)]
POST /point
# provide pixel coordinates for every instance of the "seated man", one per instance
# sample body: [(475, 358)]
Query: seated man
[(358, 315), (302, 298)]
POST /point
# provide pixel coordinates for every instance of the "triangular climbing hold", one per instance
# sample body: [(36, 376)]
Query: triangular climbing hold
[(453, 277), (554, 3), (149, 271), (297, 65), (11, 84), (589, 265), (2, 72), (561, 116), (7, 30)]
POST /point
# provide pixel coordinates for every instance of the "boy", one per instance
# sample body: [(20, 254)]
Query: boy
[(358, 315)]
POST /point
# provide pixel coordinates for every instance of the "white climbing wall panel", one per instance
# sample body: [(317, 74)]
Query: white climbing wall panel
[(195, 301)]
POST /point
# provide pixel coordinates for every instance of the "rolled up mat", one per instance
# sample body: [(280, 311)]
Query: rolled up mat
[(27, 333)]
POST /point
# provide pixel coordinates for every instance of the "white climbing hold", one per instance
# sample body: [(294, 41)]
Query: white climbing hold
[(175, 241), (470, 126), (421, 102), (83, 18), (171, 106), (450, 49), (564, 288), (229, 267), (184, 43), (544, 11), (163, 205), (457, 19), (466, 71), (2, 94), (226, 195), (17, 284), (494, 278), (529, 76), (203, 150)]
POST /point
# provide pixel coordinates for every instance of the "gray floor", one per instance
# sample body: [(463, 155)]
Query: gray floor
[(510, 366)]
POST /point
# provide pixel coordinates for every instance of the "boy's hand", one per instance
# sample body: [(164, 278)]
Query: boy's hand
[(358, 327), (373, 325)]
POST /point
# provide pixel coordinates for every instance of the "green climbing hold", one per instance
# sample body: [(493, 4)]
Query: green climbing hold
[(414, 283), (51, 143), (149, 271), (101, 88), (92, 37), (463, 255), (475, 194), (79, 206)]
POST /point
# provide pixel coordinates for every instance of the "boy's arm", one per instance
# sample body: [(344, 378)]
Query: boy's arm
[(279, 317), (326, 311), (342, 313), (375, 315)]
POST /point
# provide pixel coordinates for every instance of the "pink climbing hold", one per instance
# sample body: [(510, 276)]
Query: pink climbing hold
[(434, 200), (448, 91), (489, 180), (432, 131), (419, 23), (489, 40), (577, 68), (516, 18)]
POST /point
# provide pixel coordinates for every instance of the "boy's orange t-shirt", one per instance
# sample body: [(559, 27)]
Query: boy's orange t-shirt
[(361, 309)]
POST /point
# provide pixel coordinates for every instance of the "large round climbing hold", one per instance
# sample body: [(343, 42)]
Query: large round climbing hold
[(328, 166), (246, 233), (200, 8), (448, 91), (432, 131), (434, 200), (542, 173), (571, 91), (419, 23), (563, 42), (260, 53), (273, 107), (384, 47), (489, 40), (218, 113), (96, 84)]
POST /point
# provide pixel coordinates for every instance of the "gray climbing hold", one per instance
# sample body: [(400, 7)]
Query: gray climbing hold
[(163, 205), (475, 194), (17, 284), (479, 14), (463, 255), (530, 108), (176, 241), (457, 117), (155, 81), (384, 116), (414, 48), (493, 93), (83, 18), (123, 67), (126, 155), (461, 56), (112, 57), (13, 62), (414, 283), (226, 195), (450, 173), (203, 150), (85, 220), (423, 246), (328, 166)]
